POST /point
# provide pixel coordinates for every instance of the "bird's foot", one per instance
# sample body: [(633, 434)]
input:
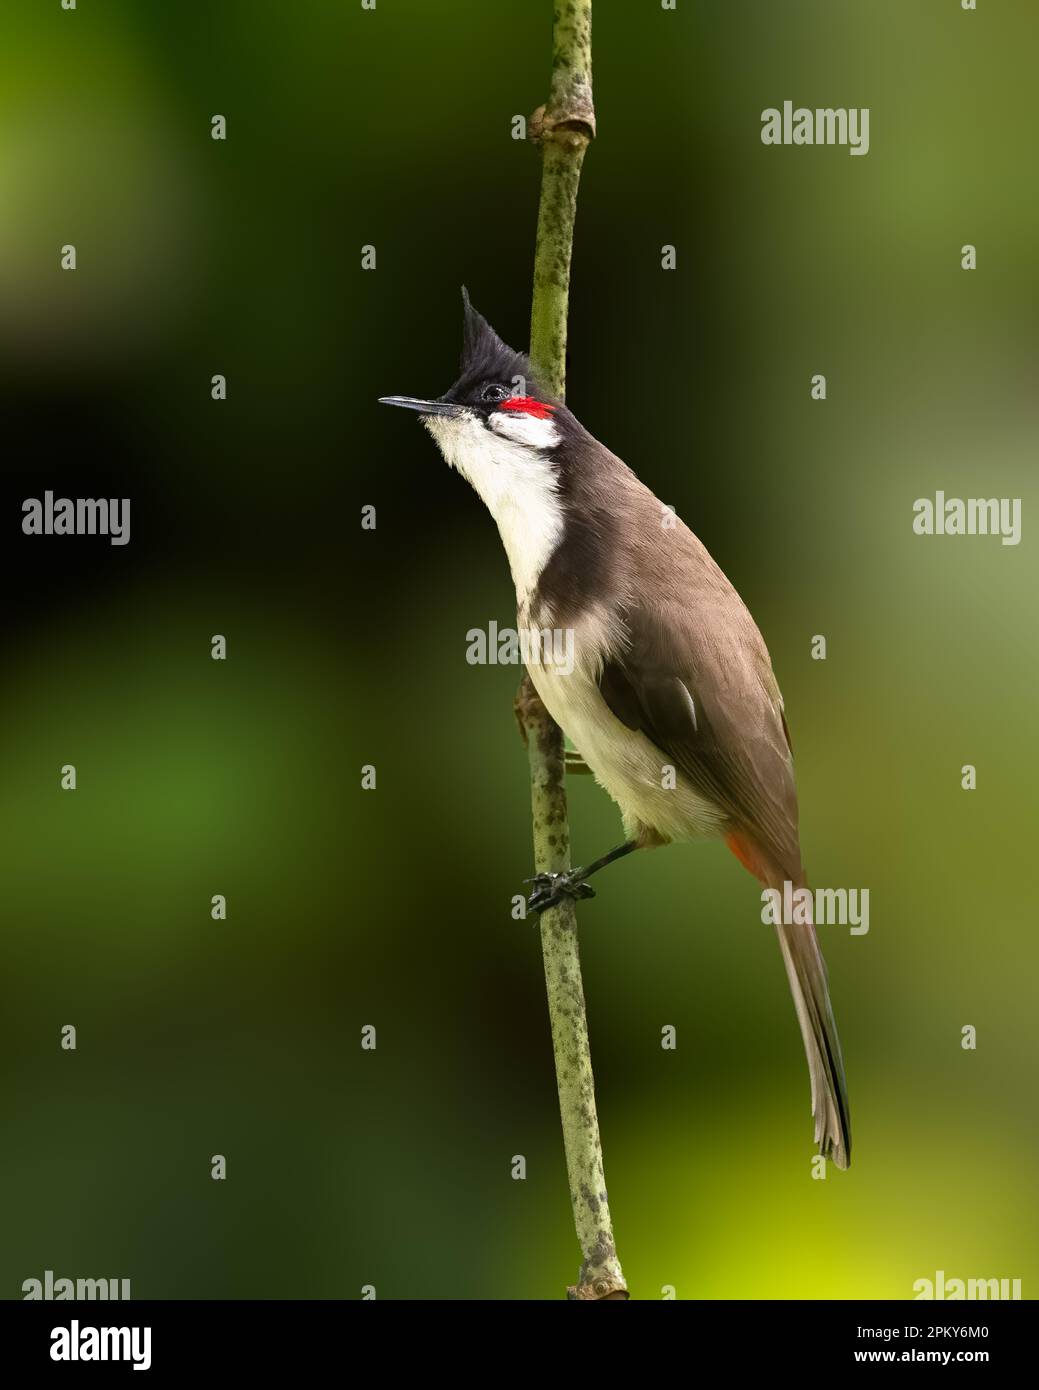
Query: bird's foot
[(551, 889)]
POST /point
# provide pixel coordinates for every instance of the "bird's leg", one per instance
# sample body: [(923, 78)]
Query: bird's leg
[(550, 889)]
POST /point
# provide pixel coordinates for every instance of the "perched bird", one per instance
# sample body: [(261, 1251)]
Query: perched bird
[(670, 698)]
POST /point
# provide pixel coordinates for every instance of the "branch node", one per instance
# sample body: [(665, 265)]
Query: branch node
[(572, 127), (599, 1291)]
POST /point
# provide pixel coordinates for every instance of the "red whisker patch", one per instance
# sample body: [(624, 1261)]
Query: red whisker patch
[(529, 406)]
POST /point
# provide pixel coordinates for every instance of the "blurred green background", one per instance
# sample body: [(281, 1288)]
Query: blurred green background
[(391, 907)]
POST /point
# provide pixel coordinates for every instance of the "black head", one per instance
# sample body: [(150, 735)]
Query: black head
[(491, 372)]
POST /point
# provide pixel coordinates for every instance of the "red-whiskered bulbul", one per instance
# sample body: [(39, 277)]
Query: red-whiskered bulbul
[(669, 696)]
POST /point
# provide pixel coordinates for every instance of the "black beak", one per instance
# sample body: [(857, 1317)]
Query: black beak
[(423, 407)]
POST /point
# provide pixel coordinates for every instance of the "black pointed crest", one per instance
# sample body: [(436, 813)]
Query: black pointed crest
[(484, 356)]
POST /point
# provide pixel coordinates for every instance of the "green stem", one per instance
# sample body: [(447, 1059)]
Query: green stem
[(601, 1277), (564, 128), (560, 174)]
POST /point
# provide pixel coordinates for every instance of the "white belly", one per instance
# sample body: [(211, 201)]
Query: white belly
[(649, 791)]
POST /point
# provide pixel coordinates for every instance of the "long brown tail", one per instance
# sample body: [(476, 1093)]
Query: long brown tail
[(806, 971)]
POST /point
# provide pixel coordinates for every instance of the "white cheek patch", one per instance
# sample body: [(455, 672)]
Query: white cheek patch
[(536, 432), (517, 484)]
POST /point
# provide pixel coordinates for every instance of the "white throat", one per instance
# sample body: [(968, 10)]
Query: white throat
[(507, 467)]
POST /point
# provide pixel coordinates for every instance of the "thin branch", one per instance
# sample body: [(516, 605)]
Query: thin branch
[(601, 1276), (563, 128)]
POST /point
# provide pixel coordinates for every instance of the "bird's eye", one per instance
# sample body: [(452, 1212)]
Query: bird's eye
[(494, 393)]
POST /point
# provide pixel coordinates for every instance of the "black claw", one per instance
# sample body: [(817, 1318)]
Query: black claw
[(551, 889)]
